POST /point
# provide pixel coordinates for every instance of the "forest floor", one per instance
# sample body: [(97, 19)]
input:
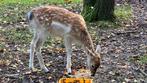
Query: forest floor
[(124, 54)]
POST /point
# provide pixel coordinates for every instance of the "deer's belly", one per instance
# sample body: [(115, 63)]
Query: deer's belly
[(59, 29)]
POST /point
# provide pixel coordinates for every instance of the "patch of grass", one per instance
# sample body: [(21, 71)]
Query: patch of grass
[(14, 11), (123, 12), (108, 24), (36, 1), (16, 35), (139, 59), (20, 36), (143, 59), (2, 45)]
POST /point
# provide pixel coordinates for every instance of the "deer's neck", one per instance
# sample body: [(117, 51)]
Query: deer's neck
[(87, 41)]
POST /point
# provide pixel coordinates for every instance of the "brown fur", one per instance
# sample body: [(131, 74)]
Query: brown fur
[(52, 13), (46, 15)]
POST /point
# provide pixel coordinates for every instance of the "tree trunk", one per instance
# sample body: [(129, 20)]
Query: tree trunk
[(95, 10)]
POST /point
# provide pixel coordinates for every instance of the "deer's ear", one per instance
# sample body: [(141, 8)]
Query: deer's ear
[(98, 48)]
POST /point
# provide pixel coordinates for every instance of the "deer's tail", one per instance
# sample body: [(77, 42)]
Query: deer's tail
[(30, 16)]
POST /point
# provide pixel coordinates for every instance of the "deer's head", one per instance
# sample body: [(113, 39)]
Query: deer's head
[(94, 60)]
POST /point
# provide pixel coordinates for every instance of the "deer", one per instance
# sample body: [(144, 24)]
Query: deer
[(56, 21)]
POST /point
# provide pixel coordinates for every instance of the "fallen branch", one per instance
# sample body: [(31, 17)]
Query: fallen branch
[(143, 72), (13, 76)]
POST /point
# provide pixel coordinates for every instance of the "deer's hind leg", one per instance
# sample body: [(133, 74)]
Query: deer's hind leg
[(68, 46)]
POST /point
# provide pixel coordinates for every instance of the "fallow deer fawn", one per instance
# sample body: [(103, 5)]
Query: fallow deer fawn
[(52, 20)]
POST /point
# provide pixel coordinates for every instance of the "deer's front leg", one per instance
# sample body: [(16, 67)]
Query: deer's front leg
[(32, 50), (68, 46), (88, 57)]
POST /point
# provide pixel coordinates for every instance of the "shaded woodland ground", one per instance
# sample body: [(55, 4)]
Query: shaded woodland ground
[(124, 50)]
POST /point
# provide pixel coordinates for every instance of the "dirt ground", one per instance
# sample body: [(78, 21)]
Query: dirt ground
[(121, 51)]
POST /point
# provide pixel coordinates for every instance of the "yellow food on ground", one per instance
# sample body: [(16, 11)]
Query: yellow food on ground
[(75, 80)]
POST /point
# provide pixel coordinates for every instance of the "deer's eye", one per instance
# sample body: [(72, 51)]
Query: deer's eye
[(92, 66)]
